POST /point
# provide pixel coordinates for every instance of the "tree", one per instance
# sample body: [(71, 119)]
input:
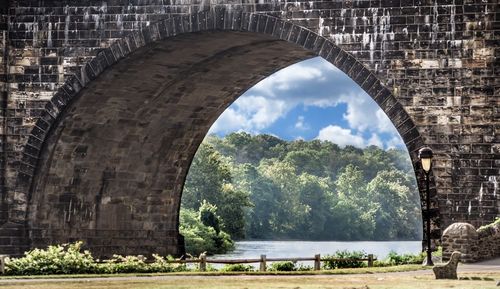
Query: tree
[(315, 193), (390, 189), (207, 174), (232, 210), (350, 183), (199, 237), (306, 161), (266, 188)]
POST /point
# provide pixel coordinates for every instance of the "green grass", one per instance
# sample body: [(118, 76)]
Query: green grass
[(368, 281), (366, 270)]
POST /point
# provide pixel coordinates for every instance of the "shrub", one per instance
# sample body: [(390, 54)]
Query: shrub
[(59, 259), (301, 267), (490, 229), (68, 259), (201, 238), (160, 265), (394, 258), (344, 254), (127, 264), (283, 266), (237, 268), (135, 264)]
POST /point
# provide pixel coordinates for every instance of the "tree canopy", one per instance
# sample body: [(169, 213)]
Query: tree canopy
[(267, 188)]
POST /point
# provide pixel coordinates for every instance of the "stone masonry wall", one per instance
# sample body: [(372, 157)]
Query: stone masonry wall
[(4, 75), (474, 245), (488, 242), (438, 58)]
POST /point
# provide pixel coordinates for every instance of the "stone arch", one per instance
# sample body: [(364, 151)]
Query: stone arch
[(218, 19)]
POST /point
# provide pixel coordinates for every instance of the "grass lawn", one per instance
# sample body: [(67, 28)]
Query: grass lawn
[(404, 280), (364, 270)]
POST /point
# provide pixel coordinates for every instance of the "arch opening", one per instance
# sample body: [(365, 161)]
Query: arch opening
[(283, 188)]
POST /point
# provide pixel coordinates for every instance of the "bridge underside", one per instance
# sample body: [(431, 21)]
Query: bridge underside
[(113, 167)]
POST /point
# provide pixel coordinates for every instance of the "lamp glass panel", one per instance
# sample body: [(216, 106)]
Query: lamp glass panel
[(426, 164)]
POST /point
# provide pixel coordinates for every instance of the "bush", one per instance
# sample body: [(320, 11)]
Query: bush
[(68, 259), (128, 264), (394, 258), (344, 254), (237, 268), (60, 259), (160, 265), (200, 237), (283, 266)]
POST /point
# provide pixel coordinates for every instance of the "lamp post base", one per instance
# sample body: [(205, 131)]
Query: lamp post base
[(428, 263)]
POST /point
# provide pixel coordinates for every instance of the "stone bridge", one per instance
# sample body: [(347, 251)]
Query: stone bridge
[(104, 103)]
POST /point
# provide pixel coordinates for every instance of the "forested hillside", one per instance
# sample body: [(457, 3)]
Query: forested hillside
[(262, 187)]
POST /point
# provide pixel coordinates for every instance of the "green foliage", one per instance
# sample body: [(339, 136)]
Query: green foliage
[(283, 266), (237, 268), (302, 267), (209, 180), (267, 188), (69, 259), (287, 266), (394, 258), (60, 259), (200, 237), (490, 229), (208, 216), (161, 265), (344, 254), (127, 264)]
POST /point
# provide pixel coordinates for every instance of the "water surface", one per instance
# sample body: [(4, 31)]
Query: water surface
[(291, 249)]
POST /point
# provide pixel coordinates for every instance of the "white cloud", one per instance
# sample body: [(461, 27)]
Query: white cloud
[(272, 98), (364, 114), (394, 142), (384, 124), (311, 83), (344, 136), (341, 136), (229, 121), (375, 140), (250, 113), (300, 124), (291, 77)]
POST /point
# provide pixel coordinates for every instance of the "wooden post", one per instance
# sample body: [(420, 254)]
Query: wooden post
[(203, 262), (370, 260), (2, 264), (317, 262), (263, 265)]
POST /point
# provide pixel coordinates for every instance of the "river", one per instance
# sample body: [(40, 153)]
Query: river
[(275, 249)]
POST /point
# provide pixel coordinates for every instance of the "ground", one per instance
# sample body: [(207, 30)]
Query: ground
[(380, 281), (474, 276)]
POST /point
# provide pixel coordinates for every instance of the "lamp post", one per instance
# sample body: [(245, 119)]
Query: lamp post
[(425, 156)]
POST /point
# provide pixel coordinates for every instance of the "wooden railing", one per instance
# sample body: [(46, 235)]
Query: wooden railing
[(203, 261)]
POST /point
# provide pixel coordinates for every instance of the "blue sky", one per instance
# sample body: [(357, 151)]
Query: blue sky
[(309, 100)]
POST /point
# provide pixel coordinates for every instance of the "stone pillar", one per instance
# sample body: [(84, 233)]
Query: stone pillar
[(460, 237)]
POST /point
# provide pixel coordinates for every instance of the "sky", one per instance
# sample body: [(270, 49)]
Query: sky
[(310, 100)]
